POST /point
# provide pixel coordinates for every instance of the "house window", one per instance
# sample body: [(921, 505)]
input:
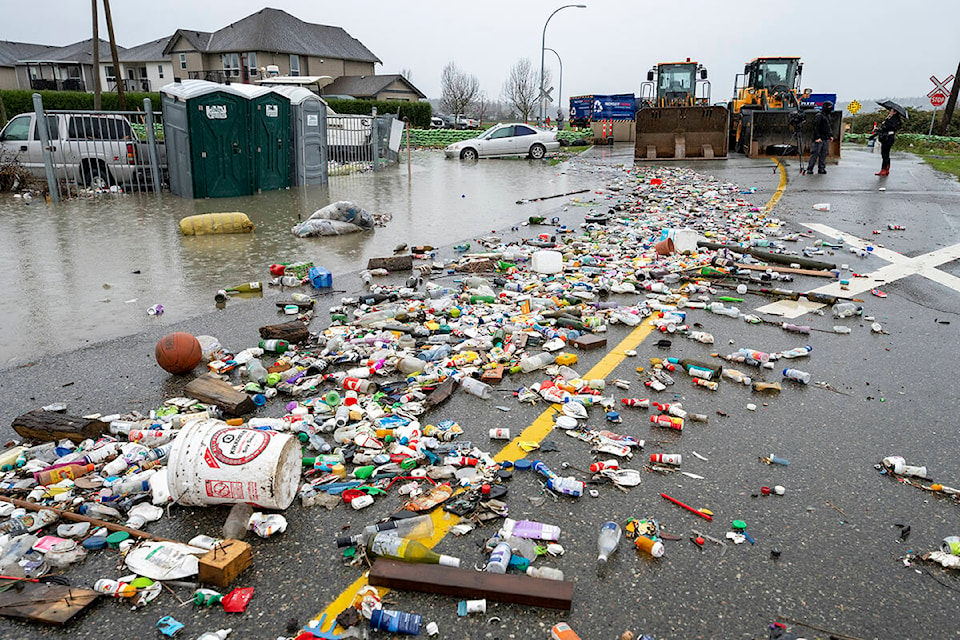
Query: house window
[(108, 72), (183, 61), (143, 72), (294, 64), (160, 70), (252, 62), (231, 64)]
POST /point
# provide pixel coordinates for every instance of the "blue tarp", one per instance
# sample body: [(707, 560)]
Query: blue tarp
[(622, 106)]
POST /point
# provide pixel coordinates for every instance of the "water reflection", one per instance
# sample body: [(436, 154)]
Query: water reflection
[(87, 270)]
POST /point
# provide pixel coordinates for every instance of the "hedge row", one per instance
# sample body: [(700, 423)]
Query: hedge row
[(439, 138), (21, 101), (419, 113), (906, 141)]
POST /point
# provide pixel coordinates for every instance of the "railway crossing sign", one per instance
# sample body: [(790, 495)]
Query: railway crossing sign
[(853, 107), (940, 90)]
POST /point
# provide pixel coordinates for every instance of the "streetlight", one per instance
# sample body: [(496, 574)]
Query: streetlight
[(560, 89), (543, 45)]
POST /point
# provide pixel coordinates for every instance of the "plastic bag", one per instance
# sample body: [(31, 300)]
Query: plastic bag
[(337, 218), (265, 525), (237, 600), (164, 560)]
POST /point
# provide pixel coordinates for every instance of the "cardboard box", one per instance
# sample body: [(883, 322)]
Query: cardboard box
[(225, 562)]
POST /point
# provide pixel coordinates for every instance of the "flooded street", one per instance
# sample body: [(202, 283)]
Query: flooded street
[(88, 269)]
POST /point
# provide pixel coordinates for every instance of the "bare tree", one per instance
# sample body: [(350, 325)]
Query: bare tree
[(457, 90), (521, 89), (407, 73), (481, 106)]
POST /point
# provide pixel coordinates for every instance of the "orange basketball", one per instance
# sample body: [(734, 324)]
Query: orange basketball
[(178, 352)]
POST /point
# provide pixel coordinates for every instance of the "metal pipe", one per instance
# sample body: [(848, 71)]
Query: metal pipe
[(543, 44)]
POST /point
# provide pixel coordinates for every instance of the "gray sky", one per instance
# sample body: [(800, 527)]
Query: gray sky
[(855, 48)]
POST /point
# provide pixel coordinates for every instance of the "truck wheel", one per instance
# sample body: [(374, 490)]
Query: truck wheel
[(96, 176)]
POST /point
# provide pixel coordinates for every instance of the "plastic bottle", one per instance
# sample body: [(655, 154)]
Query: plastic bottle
[(408, 365), (568, 486), (394, 547), (476, 387), (275, 346), (795, 374), (545, 573), (670, 422), (538, 361), (607, 541), (70, 471), (17, 548), (900, 467), (415, 528), (666, 458), (396, 621), (846, 310), (798, 352), (500, 558), (653, 547), (256, 372), (737, 376), (530, 529), (436, 353), (235, 527)]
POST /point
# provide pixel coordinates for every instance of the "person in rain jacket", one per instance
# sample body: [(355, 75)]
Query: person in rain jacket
[(886, 132), (822, 137)]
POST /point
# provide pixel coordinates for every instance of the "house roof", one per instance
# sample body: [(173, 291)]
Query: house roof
[(146, 52), (10, 52), (278, 31), (367, 86), (78, 52)]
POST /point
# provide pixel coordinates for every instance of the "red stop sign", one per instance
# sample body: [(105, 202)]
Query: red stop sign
[(938, 99)]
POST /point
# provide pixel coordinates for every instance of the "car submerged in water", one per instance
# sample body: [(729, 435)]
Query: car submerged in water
[(512, 139)]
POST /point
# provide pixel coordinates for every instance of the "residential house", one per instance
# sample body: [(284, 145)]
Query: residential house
[(373, 87), (143, 68), (10, 53), (241, 50), (68, 68)]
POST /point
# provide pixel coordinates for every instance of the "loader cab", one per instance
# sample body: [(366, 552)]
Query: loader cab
[(676, 84), (768, 83)]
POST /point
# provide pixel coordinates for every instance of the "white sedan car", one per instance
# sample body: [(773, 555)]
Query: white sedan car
[(513, 139)]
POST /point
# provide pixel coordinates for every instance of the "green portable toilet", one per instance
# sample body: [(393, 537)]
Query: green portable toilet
[(207, 132), (269, 137)]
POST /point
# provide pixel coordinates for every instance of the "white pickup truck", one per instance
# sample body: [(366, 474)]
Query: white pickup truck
[(92, 149)]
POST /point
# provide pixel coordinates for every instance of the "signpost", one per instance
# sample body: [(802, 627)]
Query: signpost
[(938, 96), (854, 107)]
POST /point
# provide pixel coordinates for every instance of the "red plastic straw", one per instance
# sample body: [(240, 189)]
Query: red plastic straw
[(687, 507)]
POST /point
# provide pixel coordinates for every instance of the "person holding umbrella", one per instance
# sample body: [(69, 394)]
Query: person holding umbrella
[(886, 132)]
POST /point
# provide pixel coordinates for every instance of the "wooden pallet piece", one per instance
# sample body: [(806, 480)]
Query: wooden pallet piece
[(212, 390), (48, 426)]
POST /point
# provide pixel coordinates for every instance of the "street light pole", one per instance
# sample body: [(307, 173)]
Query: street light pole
[(560, 85), (543, 45)]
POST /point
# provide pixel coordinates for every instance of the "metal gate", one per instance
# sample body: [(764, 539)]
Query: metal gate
[(88, 151), (360, 143)]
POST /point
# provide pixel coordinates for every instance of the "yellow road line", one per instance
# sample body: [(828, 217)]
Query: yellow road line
[(536, 431), (780, 188)]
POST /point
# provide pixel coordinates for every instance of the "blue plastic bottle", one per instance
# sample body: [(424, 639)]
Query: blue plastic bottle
[(396, 621)]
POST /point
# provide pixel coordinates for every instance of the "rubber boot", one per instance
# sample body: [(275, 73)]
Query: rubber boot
[(882, 172)]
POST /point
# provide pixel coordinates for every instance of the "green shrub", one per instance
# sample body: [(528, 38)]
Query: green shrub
[(918, 122), (419, 113), (21, 101)]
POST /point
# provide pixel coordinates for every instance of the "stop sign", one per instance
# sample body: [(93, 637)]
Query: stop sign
[(937, 99)]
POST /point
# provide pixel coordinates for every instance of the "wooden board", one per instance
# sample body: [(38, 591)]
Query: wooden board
[(590, 341), (443, 391), (392, 263), (293, 332), (493, 375), (212, 390), (39, 602), (793, 270), (461, 583), (47, 426), (225, 562)]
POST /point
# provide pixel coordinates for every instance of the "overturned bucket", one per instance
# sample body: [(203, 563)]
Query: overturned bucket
[(214, 463)]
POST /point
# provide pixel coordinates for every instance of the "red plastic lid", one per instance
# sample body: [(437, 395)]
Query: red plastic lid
[(349, 494)]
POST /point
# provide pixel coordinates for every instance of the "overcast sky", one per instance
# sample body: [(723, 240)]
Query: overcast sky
[(854, 48)]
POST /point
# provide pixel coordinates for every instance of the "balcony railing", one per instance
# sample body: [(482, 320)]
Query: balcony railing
[(70, 84)]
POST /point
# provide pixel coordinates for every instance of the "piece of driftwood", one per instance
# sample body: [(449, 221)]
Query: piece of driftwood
[(392, 263), (461, 583), (48, 426), (41, 602), (293, 332), (443, 391), (76, 517), (769, 256), (212, 390)]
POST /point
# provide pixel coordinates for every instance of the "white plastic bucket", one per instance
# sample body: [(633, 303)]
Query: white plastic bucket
[(684, 240), (214, 463), (547, 262)]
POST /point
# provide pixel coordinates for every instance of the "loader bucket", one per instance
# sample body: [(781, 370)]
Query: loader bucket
[(771, 133), (681, 133)]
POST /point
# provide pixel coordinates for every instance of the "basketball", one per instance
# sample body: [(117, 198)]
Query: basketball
[(178, 352)]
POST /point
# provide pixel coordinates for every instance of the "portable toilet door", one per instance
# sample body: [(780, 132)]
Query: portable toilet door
[(308, 123), (220, 145), (270, 143)]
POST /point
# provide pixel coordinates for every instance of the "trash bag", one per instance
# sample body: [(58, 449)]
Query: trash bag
[(337, 218)]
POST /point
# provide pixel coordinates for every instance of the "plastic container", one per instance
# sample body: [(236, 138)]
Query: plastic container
[(213, 463), (500, 558), (547, 262), (320, 278), (684, 240), (653, 547), (476, 387), (530, 529)]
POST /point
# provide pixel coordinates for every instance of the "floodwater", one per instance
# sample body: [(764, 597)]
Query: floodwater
[(87, 270)]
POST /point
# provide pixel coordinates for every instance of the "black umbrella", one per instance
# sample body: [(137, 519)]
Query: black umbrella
[(890, 104)]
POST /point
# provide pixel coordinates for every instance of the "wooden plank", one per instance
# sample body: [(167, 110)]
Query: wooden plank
[(518, 589), (392, 263), (590, 341), (293, 332), (40, 602), (212, 390), (47, 426), (793, 270)]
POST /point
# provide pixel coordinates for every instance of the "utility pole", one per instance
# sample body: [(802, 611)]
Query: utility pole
[(96, 56), (951, 103), (121, 99)]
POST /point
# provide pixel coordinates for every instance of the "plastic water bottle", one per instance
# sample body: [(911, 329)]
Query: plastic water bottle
[(546, 573), (500, 558), (476, 387), (846, 310), (538, 361), (235, 527), (396, 621), (795, 374), (607, 542), (798, 352)]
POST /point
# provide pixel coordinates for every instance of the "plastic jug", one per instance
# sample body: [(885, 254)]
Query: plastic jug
[(547, 262)]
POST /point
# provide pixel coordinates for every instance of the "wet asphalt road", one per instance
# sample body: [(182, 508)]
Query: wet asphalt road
[(894, 394)]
